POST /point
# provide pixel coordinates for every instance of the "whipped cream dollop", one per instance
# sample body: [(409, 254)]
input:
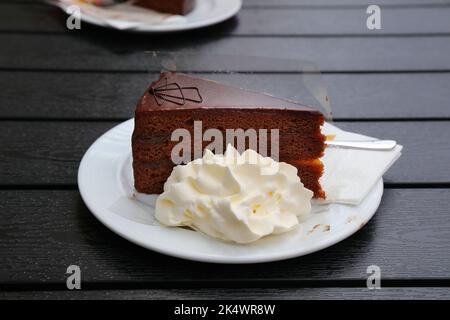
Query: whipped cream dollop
[(234, 197)]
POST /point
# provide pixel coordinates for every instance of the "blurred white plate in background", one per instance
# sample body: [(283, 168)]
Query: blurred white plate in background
[(205, 13)]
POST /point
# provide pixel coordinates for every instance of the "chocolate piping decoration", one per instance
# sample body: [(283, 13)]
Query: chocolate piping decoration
[(162, 93)]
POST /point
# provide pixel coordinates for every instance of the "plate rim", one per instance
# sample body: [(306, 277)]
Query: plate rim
[(256, 258)]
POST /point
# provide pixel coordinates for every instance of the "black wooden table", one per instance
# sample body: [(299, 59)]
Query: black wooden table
[(60, 90)]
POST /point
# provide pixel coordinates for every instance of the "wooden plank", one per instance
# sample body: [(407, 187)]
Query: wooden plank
[(261, 21), (301, 22), (338, 3), (238, 294), (31, 2), (33, 16), (68, 95), (48, 153), (270, 3), (43, 232), (420, 141), (54, 147), (126, 52)]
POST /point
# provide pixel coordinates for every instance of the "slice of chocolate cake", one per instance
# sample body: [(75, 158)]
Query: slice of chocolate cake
[(181, 7), (180, 101)]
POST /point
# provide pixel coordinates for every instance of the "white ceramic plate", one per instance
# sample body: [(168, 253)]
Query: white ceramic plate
[(105, 182), (205, 13)]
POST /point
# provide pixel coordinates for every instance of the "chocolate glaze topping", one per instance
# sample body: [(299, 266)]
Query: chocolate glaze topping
[(174, 91)]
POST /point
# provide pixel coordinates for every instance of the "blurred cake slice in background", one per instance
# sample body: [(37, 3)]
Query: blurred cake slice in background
[(181, 7)]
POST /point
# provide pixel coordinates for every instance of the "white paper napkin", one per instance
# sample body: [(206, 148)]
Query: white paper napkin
[(122, 16), (351, 173)]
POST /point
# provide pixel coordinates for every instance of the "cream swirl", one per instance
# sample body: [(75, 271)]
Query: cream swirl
[(234, 197)]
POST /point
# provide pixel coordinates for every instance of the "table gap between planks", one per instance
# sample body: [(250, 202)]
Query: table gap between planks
[(62, 89)]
